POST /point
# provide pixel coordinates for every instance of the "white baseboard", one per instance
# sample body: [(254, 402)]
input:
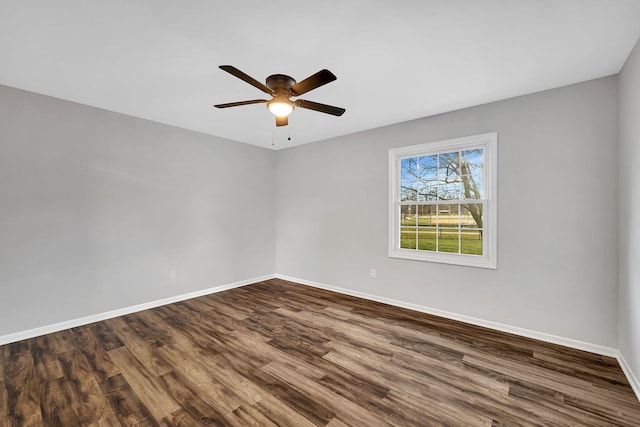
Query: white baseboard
[(633, 380), (56, 327), (554, 339)]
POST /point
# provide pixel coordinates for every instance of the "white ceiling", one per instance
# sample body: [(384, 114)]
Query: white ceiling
[(395, 60)]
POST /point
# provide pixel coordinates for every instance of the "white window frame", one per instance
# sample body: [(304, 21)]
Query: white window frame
[(487, 141)]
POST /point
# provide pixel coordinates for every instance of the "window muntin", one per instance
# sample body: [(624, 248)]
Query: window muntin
[(443, 201)]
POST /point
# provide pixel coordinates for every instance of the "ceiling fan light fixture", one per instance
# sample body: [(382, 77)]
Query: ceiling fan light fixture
[(280, 107), (281, 88)]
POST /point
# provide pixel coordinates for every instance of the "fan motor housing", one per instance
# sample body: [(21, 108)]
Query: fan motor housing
[(280, 81)]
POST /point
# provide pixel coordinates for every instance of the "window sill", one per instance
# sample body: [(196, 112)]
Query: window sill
[(444, 258)]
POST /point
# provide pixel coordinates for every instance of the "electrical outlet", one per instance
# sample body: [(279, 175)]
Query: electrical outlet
[(172, 274), (373, 272)]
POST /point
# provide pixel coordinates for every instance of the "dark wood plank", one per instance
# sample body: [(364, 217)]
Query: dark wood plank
[(146, 332), (198, 376), (250, 416), (4, 402), (347, 410), (86, 398), (293, 397), (56, 405), (62, 341), (105, 336), (191, 403), (144, 384), (140, 345), (94, 341), (45, 359), (24, 389), (277, 353), (125, 403), (282, 414)]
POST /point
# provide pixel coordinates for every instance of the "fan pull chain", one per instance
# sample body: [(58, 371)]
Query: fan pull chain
[(279, 134)]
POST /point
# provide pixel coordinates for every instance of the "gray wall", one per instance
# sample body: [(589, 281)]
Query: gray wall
[(96, 208), (557, 215), (629, 273)]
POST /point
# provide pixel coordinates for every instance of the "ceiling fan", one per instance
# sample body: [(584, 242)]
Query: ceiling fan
[(282, 88)]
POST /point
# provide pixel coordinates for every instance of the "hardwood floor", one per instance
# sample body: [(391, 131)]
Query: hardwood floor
[(280, 354)]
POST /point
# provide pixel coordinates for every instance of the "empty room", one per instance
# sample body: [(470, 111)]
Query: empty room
[(253, 213)]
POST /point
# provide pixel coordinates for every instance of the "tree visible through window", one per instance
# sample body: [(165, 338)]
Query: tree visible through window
[(440, 198), (449, 189)]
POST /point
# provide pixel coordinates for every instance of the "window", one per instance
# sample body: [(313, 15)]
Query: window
[(443, 201)]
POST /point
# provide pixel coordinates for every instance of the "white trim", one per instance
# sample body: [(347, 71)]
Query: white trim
[(56, 327), (626, 369), (488, 141), (542, 336)]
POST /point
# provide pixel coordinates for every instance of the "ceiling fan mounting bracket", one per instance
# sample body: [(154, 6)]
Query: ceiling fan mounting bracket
[(280, 81)]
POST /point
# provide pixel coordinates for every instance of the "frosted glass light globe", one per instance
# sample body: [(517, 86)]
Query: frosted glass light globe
[(280, 109)]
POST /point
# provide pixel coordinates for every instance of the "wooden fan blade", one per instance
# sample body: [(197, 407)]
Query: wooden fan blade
[(242, 76), (282, 120), (323, 108), (320, 78), (237, 104)]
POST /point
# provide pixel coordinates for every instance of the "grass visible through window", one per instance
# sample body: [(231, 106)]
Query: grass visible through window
[(444, 233)]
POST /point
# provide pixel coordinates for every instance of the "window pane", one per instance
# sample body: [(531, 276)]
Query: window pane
[(427, 215), (427, 171), (408, 215), (428, 190), (471, 241), (427, 238), (409, 179), (428, 166), (449, 178), (408, 238), (472, 215), (407, 193), (448, 215), (448, 240), (471, 169), (451, 189), (448, 165)]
